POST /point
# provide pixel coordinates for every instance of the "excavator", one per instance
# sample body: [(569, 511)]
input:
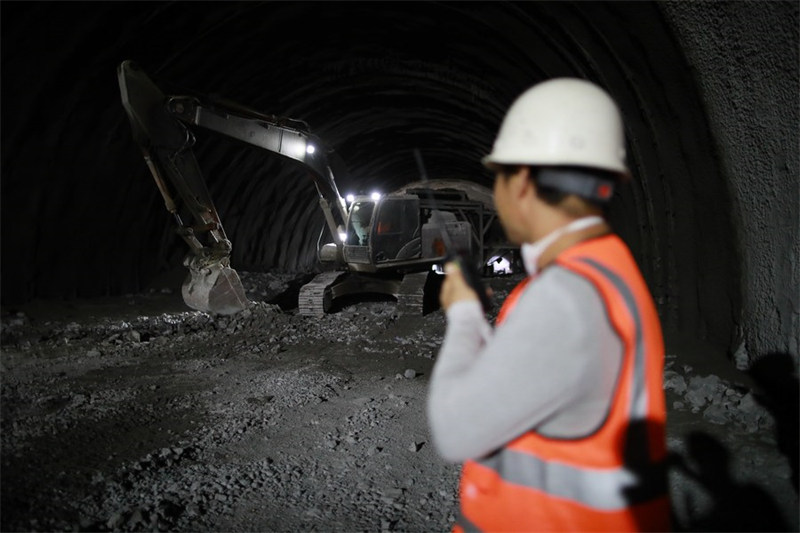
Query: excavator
[(385, 244)]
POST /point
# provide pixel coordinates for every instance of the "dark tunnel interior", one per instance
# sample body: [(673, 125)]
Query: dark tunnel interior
[(81, 216)]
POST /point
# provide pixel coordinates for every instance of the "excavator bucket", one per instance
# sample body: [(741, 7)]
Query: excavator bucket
[(214, 289)]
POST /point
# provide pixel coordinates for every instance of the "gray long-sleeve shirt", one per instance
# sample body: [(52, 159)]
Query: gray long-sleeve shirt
[(551, 366)]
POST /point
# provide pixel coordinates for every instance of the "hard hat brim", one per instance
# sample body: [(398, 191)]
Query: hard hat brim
[(490, 162)]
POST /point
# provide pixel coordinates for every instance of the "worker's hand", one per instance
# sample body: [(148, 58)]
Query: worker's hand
[(454, 288)]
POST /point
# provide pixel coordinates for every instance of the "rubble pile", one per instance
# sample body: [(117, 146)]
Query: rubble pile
[(272, 287), (720, 401)]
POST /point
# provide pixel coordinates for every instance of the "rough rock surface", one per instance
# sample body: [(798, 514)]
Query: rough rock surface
[(137, 415)]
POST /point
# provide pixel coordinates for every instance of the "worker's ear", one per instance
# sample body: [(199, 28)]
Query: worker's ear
[(521, 183)]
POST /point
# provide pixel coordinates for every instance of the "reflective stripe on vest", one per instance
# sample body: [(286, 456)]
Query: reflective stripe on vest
[(638, 479), (638, 408), (596, 488)]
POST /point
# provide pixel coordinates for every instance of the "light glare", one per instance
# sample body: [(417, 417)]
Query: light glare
[(500, 265)]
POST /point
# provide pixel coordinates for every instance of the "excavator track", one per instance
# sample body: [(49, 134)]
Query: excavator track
[(315, 296), (411, 295)]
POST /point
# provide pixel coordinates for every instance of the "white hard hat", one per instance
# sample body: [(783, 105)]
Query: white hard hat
[(563, 121)]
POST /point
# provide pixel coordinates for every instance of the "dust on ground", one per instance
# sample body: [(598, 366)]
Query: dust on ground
[(136, 414)]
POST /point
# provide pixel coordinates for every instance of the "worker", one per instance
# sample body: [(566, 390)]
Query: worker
[(557, 412)]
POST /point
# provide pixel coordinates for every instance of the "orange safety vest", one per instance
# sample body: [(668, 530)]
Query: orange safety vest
[(613, 479)]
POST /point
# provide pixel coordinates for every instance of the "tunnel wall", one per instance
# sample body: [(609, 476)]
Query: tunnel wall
[(744, 56)]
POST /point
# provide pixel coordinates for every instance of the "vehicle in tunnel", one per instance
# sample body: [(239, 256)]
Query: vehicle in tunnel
[(387, 244)]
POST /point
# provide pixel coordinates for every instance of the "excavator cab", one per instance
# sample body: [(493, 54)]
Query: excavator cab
[(396, 229), (382, 232)]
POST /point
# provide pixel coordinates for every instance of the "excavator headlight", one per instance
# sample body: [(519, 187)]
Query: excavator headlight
[(343, 236), (376, 196), (310, 149)]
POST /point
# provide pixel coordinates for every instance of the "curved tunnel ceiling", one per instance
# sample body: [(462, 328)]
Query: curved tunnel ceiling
[(374, 81)]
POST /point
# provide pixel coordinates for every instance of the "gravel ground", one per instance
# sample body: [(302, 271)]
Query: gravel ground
[(133, 414)]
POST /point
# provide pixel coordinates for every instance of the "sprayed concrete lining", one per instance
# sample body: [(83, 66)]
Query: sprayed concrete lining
[(744, 59)]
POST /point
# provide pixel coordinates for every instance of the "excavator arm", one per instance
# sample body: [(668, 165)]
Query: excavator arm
[(159, 124)]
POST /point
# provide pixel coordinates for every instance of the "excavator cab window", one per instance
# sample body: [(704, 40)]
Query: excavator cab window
[(359, 223), (390, 218), (396, 226)]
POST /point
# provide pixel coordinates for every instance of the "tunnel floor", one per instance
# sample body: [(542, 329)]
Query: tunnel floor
[(134, 414)]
